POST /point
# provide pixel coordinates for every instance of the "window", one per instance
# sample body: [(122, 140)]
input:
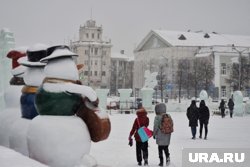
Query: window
[(223, 91), (96, 51), (90, 73), (98, 36), (91, 63), (85, 73), (223, 69), (86, 62), (103, 73), (95, 73), (86, 52), (93, 35), (104, 63), (92, 50), (96, 62), (87, 35)]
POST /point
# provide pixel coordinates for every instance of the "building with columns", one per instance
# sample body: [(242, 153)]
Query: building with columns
[(95, 54), (163, 48), (122, 71)]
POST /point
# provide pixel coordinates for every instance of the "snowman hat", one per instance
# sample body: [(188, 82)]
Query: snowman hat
[(34, 55), (15, 54), (58, 51)]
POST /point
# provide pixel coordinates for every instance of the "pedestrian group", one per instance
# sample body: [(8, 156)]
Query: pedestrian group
[(163, 127)]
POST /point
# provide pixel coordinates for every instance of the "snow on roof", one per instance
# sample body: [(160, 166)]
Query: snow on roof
[(182, 38), (202, 39)]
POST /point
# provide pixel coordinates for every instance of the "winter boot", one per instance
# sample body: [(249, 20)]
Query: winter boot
[(167, 161), (145, 162), (161, 161), (139, 163)]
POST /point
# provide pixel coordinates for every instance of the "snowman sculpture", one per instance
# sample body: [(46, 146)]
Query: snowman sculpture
[(13, 93), (60, 97), (33, 78)]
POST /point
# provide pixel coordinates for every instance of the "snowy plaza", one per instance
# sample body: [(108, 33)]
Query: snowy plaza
[(222, 133)]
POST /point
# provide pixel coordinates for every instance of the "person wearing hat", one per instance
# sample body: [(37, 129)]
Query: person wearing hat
[(141, 147), (162, 139), (33, 78)]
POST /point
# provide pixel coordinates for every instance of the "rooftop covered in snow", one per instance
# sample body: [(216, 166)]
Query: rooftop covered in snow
[(182, 38)]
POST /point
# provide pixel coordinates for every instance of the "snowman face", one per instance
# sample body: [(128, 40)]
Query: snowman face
[(62, 68), (34, 76)]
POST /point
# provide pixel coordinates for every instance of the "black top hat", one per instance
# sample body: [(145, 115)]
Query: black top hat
[(34, 56)]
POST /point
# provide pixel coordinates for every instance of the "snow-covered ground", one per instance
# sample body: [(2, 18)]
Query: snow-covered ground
[(222, 133), (115, 151)]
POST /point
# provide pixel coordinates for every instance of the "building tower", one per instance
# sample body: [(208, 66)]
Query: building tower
[(95, 54)]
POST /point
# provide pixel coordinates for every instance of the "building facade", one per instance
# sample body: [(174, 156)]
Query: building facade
[(122, 67), (164, 48), (95, 54)]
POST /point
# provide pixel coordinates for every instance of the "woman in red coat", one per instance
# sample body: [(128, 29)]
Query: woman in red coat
[(141, 147)]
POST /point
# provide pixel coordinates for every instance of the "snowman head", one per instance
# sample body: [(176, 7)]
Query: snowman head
[(34, 74), (60, 63)]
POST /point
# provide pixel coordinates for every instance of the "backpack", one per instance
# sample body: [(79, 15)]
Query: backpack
[(167, 125)]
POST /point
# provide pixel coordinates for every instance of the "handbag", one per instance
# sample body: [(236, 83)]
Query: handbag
[(144, 132)]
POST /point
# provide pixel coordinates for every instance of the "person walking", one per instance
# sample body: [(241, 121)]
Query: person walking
[(222, 108), (203, 118), (193, 115), (231, 107), (141, 147), (162, 139)]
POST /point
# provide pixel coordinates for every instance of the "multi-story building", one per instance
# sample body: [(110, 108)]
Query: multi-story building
[(122, 67), (95, 54), (164, 48)]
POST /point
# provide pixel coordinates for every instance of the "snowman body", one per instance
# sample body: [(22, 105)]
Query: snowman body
[(33, 78), (52, 97)]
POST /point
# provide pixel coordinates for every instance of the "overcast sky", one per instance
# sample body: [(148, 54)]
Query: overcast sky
[(125, 22)]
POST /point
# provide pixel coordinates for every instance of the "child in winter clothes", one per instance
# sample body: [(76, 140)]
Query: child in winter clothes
[(162, 139), (141, 147)]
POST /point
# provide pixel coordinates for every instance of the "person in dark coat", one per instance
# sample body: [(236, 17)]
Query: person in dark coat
[(203, 118), (193, 115), (222, 108), (141, 147), (231, 107)]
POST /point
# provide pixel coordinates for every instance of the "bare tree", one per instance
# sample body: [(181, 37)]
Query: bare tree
[(244, 78)]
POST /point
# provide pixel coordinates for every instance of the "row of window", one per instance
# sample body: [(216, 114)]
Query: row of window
[(95, 51), (94, 73), (93, 35), (94, 62)]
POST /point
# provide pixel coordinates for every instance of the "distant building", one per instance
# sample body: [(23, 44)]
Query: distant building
[(95, 54), (7, 42), (165, 48), (122, 67)]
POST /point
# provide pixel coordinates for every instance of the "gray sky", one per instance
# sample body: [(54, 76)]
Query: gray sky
[(125, 22)]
